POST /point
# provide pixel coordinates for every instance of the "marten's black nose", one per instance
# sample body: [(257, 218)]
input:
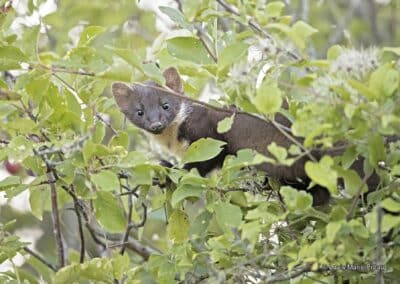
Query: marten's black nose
[(156, 126)]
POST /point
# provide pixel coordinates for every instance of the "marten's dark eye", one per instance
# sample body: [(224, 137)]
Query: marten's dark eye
[(140, 112), (165, 106)]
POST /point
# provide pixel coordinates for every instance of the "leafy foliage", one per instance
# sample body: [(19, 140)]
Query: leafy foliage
[(136, 221)]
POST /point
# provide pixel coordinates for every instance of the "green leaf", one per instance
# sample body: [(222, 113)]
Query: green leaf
[(363, 89), (99, 132), (30, 40), (89, 34), (269, 97), (9, 182), (296, 200), (108, 212), (280, 154), (395, 50), (332, 229), (333, 52), (303, 29), (117, 72), (134, 158), (72, 103), (203, 150), (389, 221), (384, 81), (251, 231), (11, 57), (391, 205), (128, 55), (231, 54), (184, 191), (376, 149), (290, 32), (352, 182), (99, 270), (261, 213), (176, 16), (3, 84), (322, 173), (244, 158), (106, 180), (226, 124), (38, 198), (120, 264), (274, 9), (189, 49), (142, 175), (228, 215), (153, 72), (200, 224), (120, 139), (178, 226)]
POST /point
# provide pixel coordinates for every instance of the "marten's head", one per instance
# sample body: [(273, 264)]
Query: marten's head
[(151, 109)]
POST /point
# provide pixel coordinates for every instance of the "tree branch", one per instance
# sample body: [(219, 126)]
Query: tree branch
[(51, 178), (131, 243), (379, 246), (288, 274), (55, 69), (56, 220), (77, 207), (130, 224)]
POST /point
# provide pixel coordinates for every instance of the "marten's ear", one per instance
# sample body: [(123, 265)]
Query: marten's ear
[(122, 93), (173, 80)]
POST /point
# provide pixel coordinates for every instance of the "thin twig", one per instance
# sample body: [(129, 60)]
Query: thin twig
[(108, 124), (132, 244), (289, 274), (41, 259), (76, 145), (129, 225), (93, 234), (294, 140), (229, 8), (54, 69), (202, 37), (357, 196), (97, 234), (28, 111)]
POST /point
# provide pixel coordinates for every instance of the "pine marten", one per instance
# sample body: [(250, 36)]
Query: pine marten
[(175, 121)]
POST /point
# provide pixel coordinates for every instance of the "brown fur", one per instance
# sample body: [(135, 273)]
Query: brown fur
[(192, 120)]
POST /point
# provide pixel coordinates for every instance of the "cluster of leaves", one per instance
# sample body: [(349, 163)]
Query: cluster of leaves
[(137, 221)]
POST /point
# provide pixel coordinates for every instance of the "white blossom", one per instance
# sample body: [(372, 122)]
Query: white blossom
[(355, 63)]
